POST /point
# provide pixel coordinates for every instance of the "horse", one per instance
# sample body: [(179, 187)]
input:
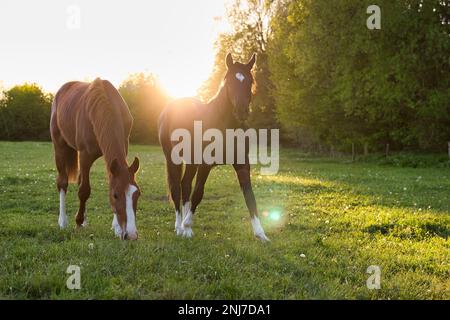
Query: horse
[(229, 109), (90, 120)]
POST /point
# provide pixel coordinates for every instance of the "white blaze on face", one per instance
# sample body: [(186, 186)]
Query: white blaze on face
[(131, 218), (240, 77)]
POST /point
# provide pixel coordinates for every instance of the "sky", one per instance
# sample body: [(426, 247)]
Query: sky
[(51, 42)]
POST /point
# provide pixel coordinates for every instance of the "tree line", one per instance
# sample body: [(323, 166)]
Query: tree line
[(331, 83), (322, 76), (25, 109)]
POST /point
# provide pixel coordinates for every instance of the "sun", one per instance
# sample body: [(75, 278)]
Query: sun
[(173, 40), (183, 82)]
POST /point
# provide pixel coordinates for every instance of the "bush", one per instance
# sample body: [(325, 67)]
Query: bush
[(25, 113)]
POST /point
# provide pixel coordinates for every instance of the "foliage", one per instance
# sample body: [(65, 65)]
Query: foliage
[(145, 99), (410, 160), (340, 82), (25, 113), (250, 34)]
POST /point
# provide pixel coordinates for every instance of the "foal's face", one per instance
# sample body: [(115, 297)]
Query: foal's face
[(239, 81), (124, 194)]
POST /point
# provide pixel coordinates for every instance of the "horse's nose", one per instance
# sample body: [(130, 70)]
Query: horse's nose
[(132, 235)]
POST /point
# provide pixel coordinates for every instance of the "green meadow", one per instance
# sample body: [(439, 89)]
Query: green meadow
[(328, 221)]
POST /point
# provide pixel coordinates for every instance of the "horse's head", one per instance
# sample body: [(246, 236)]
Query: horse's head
[(238, 82), (124, 193)]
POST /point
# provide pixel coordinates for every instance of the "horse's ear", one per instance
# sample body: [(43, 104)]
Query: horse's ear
[(251, 62), (114, 167), (229, 61), (134, 166)]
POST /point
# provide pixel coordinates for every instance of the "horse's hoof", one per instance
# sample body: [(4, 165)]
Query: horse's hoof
[(81, 225), (117, 230), (179, 231), (262, 237), (188, 233)]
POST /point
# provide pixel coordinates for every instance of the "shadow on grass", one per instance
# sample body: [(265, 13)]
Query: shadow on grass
[(48, 235), (417, 232)]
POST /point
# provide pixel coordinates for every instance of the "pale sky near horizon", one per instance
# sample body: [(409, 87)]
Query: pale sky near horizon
[(42, 42)]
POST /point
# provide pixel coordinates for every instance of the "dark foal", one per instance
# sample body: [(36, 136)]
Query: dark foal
[(228, 110)]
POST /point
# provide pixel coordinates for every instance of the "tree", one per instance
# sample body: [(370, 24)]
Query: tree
[(146, 99), (250, 34), (25, 113), (337, 82)]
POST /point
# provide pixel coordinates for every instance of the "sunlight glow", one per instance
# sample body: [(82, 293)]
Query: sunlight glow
[(274, 218), (275, 215), (173, 39)]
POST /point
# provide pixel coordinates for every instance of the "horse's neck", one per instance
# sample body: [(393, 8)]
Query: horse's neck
[(110, 135), (220, 109), (115, 149)]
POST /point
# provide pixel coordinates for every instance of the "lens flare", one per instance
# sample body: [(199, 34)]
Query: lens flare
[(274, 218), (275, 215)]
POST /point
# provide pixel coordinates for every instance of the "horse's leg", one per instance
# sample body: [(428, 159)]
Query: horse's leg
[(186, 188), (84, 189), (197, 196), (243, 174), (174, 180), (64, 162)]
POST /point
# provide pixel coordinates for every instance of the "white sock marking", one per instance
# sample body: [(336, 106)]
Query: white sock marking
[(85, 222), (258, 229), (187, 220), (62, 220), (178, 220)]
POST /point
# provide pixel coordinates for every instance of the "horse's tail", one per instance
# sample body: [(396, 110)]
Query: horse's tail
[(71, 164)]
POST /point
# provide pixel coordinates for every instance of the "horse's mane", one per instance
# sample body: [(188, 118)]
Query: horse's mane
[(106, 122)]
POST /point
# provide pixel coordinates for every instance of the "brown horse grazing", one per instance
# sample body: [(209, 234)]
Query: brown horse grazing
[(89, 120), (228, 110)]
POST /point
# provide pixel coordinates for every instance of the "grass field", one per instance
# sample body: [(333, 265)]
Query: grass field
[(336, 219)]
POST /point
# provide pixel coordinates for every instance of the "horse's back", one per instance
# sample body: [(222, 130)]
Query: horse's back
[(118, 102), (76, 104), (64, 111), (179, 113)]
